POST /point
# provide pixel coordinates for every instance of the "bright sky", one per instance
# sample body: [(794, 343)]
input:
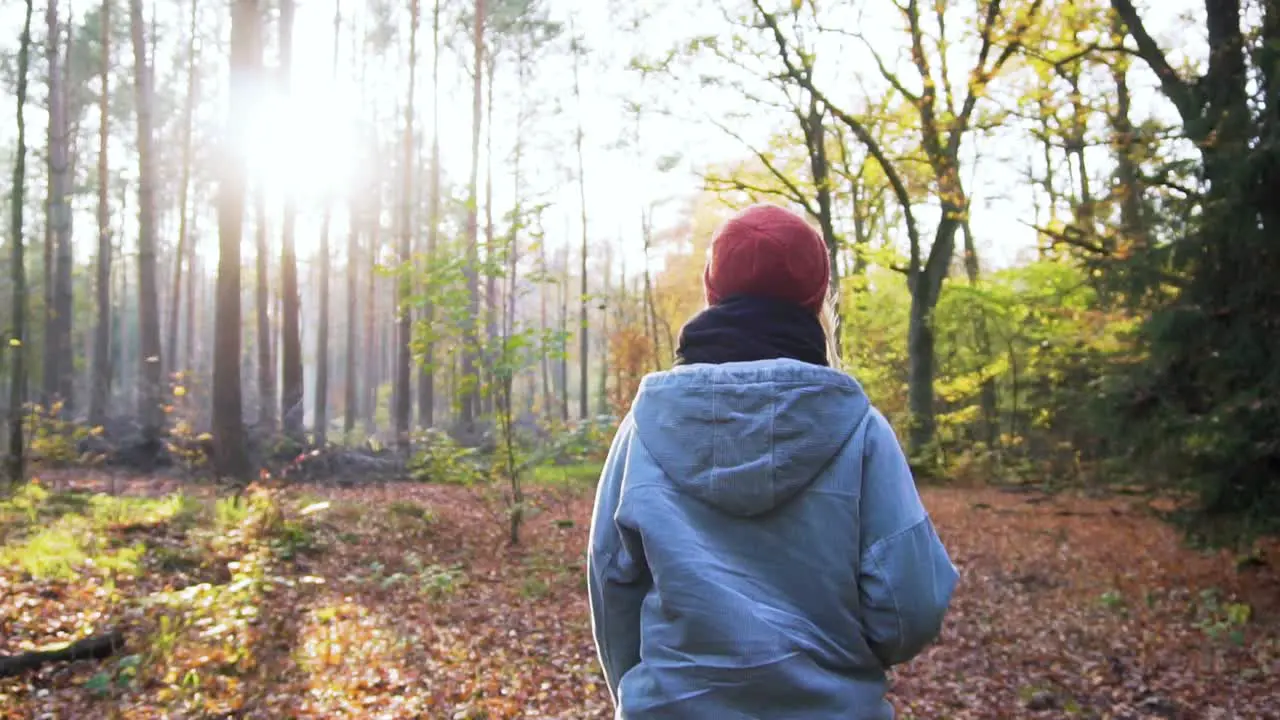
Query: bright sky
[(312, 142)]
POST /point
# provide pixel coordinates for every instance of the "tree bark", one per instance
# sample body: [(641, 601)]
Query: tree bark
[(292, 410), (373, 375), (471, 395), (16, 462), (90, 648), (100, 387), (815, 135), (427, 381), (180, 254), (351, 382), (150, 396), (326, 260), (404, 314), (490, 276), (583, 330), (230, 458), (262, 307), (548, 399), (59, 365)]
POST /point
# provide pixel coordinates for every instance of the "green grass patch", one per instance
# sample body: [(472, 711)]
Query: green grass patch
[(56, 535), (579, 475)]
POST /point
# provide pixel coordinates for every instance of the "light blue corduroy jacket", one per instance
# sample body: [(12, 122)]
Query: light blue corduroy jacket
[(759, 550)]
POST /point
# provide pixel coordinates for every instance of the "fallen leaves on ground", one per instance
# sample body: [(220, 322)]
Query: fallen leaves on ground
[(403, 600)]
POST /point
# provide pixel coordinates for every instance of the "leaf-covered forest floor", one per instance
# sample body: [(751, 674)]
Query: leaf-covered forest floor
[(404, 600)]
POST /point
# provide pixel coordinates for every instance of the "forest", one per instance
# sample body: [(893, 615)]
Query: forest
[(319, 318)]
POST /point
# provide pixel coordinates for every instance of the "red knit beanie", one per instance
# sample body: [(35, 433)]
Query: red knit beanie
[(768, 251)]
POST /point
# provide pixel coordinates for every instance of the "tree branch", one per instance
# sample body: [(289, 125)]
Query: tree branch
[(857, 128), (1182, 93), (790, 185), (981, 74)]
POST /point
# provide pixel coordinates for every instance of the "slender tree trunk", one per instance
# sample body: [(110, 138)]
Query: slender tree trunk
[(351, 399), (230, 457), (602, 401), (180, 255), (373, 375), (404, 314), (1124, 139), (322, 339), (650, 308), (517, 215), (815, 133), (120, 276), (326, 260), (427, 381), (100, 387), (292, 410), (490, 276), (57, 368), (548, 401), (17, 341), (564, 334), (150, 398), (584, 345), (194, 276), (470, 401), (262, 308)]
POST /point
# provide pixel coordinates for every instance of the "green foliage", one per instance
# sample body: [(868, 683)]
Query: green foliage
[(580, 474), (439, 458), (58, 535), (1051, 351), (55, 440)]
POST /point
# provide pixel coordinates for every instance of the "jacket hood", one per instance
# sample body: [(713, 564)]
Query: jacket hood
[(747, 437)]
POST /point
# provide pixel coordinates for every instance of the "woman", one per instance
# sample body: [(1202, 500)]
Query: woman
[(758, 548)]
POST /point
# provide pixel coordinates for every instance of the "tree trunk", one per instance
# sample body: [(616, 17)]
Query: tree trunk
[(58, 365), (180, 255), (490, 276), (427, 380), (583, 331), (470, 400), (292, 410), (517, 221), (326, 260), (404, 313), (602, 402), (1124, 140), (100, 387), (18, 276), (230, 458), (816, 139), (371, 368), (563, 376), (262, 307), (351, 387), (194, 276), (150, 397), (926, 286), (548, 400)]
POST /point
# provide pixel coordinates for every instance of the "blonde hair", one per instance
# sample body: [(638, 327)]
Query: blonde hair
[(829, 318)]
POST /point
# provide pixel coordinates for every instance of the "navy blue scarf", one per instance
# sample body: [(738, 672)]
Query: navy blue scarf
[(746, 328)]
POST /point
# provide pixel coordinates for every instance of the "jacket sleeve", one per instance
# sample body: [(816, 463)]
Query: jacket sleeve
[(617, 577), (906, 577)]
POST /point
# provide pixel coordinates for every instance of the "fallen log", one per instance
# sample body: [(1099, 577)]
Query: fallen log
[(94, 647)]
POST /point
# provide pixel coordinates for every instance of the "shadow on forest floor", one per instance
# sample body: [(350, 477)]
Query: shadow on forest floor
[(404, 600)]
